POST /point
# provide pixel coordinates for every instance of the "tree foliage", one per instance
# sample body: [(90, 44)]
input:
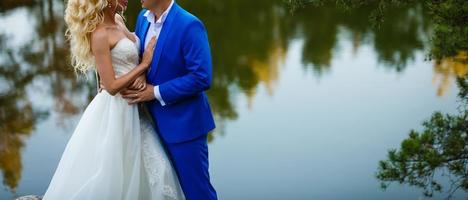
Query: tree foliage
[(442, 146)]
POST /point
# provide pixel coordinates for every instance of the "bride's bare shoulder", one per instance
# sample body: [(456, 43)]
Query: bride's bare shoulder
[(99, 37), (99, 33)]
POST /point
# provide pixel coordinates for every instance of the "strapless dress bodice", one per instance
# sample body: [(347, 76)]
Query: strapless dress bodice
[(125, 55)]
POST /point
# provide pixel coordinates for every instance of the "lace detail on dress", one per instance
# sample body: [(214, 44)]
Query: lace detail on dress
[(124, 56), (154, 160), (169, 192)]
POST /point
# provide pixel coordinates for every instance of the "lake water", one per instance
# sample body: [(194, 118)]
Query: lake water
[(306, 102)]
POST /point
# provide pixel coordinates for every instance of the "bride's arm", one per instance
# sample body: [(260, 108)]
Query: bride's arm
[(101, 51)]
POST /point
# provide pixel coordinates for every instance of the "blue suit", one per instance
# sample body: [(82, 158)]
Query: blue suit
[(182, 68)]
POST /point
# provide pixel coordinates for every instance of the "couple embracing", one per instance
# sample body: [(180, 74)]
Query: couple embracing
[(144, 135)]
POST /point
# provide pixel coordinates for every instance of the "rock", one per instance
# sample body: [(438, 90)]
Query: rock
[(30, 197)]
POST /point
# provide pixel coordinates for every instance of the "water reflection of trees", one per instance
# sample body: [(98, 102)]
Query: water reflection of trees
[(8, 5), (39, 58), (447, 69), (17, 116), (240, 30)]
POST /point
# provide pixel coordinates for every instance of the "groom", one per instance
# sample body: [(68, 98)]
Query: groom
[(177, 78)]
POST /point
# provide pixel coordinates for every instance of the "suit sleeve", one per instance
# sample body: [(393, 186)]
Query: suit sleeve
[(197, 56)]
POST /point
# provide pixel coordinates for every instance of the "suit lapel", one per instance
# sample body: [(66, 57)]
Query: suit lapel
[(167, 26)]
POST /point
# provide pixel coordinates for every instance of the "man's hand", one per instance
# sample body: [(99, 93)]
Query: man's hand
[(137, 96)]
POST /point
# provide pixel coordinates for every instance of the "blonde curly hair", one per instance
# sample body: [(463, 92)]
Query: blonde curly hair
[(82, 17)]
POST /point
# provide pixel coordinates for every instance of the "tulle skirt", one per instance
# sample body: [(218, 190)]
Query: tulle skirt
[(114, 154)]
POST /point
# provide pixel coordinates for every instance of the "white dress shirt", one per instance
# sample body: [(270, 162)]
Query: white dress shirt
[(154, 30)]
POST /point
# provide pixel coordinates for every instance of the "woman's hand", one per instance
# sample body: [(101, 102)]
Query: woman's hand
[(148, 54), (139, 83)]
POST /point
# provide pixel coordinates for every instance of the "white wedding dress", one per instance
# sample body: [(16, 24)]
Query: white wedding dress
[(114, 152)]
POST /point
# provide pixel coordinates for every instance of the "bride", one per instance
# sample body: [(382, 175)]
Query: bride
[(114, 152)]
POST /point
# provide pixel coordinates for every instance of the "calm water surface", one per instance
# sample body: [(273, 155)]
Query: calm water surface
[(306, 103)]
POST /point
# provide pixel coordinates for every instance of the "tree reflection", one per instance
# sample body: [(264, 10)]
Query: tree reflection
[(398, 40), (8, 5), (447, 69), (41, 58)]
